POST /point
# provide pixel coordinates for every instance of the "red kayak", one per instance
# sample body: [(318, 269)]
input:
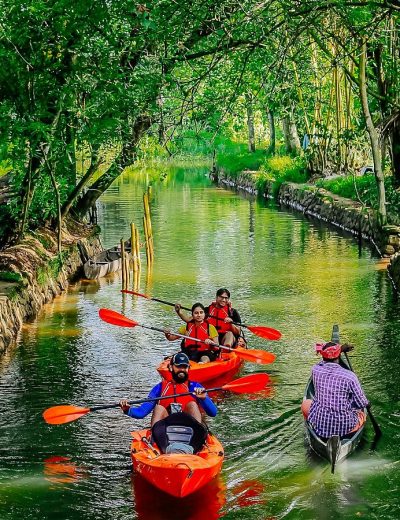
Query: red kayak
[(202, 372), (178, 475)]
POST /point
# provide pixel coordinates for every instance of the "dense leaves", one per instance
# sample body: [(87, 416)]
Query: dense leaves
[(81, 83)]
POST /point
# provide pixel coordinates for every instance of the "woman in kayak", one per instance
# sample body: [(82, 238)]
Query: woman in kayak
[(198, 328)]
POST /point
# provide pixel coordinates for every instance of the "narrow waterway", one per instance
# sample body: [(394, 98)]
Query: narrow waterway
[(283, 271)]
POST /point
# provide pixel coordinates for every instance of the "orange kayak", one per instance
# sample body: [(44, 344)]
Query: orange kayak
[(178, 475), (202, 372)]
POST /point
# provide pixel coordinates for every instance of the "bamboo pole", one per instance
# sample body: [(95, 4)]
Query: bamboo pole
[(137, 248), (148, 256), (149, 232), (123, 263), (133, 247)]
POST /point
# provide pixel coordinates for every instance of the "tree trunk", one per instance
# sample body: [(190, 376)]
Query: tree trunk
[(250, 122), (124, 159), (272, 133), (395, 151), (373, 135), (292, 141), (95, 163)]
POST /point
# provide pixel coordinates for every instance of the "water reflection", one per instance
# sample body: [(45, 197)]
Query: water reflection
[(152, 504), (61, 470)]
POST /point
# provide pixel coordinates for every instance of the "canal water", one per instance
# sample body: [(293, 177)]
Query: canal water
[(283, 271)]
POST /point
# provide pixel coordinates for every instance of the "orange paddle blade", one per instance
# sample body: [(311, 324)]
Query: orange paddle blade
[(64, 413), (265, 332), (255, 356), (248, 384), (115, 318)]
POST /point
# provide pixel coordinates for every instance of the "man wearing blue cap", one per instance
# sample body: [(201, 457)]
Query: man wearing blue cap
[(178, 411), (180, 384)]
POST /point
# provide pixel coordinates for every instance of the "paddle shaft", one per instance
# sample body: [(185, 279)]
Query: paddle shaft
[(150, 399), (173, 305), (187, 337), (376, 426)]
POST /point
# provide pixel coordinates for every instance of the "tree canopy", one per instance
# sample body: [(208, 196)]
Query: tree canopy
[(81, 83)]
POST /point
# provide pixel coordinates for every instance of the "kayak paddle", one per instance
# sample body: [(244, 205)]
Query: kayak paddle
[(262, 332), (336, 339), (378, 431), (256, 356), (63, 414)]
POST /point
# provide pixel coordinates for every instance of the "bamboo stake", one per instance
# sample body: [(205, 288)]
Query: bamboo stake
[(148, 256), (133, 247), (123, 263), (146, 205), (137, 248)]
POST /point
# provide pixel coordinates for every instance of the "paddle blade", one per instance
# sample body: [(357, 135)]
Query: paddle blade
[(248, 384), (265, 332), (255, 356), (64, 414), (127, 291), (115, 318)]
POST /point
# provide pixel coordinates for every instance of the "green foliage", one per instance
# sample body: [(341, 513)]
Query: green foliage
[(278, 169), (363, 189), (51, 270), (10, 276), (45, 241), (77, 81), (234, 157)]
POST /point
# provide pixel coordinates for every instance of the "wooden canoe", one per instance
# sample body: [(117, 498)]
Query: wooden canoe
[(335, 448), (106, 262)]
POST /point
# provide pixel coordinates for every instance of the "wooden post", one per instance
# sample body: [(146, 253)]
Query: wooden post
[(147, 228), (148, 257), (127, 269), (123, 263), (133, 247), (137, 248)]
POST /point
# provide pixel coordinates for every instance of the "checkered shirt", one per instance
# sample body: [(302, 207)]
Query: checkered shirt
[(338, 396)]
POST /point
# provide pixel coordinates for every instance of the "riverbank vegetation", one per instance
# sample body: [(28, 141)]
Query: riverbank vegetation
[(85, 83)]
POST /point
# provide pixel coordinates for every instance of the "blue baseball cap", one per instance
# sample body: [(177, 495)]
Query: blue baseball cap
[(180, 359)]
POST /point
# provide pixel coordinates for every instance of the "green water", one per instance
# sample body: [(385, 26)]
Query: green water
[(283, 271)]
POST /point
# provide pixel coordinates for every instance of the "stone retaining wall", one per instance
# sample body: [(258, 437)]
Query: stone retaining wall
[(321, 204), (38, 279)]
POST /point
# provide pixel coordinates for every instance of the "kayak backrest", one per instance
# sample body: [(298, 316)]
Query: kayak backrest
[(182, 434)]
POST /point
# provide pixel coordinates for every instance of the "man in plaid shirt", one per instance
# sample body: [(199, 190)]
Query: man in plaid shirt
[(337, 407)]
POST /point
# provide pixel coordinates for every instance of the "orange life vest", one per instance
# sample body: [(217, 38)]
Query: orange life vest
[(199, 332), (216, 316), (172, 388)]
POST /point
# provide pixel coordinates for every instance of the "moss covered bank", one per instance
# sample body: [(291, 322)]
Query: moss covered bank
[(32, 274)]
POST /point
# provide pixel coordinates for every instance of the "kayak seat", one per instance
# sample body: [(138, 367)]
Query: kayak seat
[(180, 432)]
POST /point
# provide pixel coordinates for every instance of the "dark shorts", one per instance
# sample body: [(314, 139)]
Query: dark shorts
[(195, 355), (159, 430)]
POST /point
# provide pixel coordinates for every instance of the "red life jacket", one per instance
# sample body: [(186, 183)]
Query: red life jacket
[(197, 331), (216, 316), (172, 388)]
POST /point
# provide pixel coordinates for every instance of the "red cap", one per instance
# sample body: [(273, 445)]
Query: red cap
[(328, 350)]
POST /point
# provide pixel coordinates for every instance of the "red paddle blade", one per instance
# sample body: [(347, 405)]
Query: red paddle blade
[(248, 384), (255, 356), (64, 414), (115, 318), (265, 332), (127, 291)]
